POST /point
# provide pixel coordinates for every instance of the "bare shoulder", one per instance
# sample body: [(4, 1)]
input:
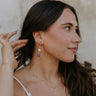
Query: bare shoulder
[(18, 90)]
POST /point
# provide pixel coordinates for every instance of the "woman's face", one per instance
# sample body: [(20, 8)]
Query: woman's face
[(61, 39)]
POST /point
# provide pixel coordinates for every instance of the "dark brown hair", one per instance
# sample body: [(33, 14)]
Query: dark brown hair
[(40, 17)]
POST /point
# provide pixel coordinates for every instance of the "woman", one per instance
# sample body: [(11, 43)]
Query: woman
[(48, 43)]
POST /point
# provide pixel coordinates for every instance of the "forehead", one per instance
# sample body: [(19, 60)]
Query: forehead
[(67, 16)]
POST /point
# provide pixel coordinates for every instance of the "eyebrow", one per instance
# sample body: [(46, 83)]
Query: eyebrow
[(69, 24)]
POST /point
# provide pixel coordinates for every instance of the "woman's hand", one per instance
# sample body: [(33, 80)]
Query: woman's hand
[(16, 45), (9, 62), (8, 48)]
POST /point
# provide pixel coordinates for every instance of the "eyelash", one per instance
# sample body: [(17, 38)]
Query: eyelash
[(76, 30)]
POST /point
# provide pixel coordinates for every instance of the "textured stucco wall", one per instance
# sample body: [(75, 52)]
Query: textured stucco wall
[(12, 13)]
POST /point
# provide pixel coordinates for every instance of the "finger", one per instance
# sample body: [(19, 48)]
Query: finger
[(18, 42), (11, 34), (18, 47), (4, 35), (3, 41), (4, 38)]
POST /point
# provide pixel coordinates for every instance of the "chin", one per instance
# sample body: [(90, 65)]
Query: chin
[(68, 60)]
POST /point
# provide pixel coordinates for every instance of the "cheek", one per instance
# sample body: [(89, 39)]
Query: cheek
[(57, 46), (54, 40), (57, 37), (66, 56)]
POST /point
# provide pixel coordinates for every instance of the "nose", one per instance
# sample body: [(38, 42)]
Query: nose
[(76, 38)]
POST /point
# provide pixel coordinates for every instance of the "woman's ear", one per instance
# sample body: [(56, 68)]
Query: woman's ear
[(38, 38)]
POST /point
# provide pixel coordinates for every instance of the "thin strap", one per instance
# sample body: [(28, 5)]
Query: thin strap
[(29, 94)]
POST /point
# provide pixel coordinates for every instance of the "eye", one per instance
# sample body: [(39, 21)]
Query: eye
[(77, 31), (67, 28)]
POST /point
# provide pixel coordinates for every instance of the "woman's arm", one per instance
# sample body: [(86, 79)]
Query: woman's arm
[(6, 80), (7, 66), (8, 63)]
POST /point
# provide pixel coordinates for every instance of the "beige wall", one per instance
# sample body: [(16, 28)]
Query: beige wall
[(12, 13)]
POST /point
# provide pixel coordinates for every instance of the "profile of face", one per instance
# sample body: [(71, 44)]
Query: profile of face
[(61, 39)]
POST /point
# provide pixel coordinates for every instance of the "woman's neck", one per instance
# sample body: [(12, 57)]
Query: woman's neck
[(45, 66)]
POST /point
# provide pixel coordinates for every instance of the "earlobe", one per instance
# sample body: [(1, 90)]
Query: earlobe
[(38, 38)]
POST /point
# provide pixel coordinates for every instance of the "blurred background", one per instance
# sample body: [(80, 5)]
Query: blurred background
[(12, 14)]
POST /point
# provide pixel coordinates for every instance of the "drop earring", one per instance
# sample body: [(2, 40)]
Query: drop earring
[(38, 55)]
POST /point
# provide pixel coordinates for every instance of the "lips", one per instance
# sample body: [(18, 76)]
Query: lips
[(73, 49)]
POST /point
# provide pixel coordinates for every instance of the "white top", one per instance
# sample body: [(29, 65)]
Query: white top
[(28, 94)]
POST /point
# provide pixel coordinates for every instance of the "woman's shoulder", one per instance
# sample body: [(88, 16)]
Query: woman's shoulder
[(22, 82), (18, 80)]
